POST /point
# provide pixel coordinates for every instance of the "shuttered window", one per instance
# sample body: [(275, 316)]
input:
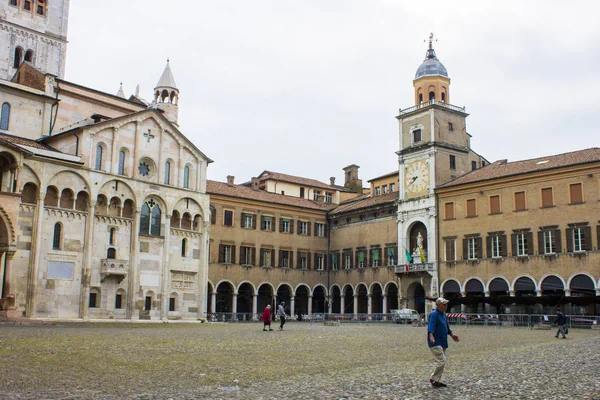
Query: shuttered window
[(449, 211), (495, 204), (471, 208), (576, 193), (520, 201), (547, 197)]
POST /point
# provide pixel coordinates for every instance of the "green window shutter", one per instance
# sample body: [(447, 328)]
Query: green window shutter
[(376, 255), (361, 256)]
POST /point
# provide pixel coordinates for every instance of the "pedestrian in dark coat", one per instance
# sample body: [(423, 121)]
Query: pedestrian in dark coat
[(266, 318), (561, 320)]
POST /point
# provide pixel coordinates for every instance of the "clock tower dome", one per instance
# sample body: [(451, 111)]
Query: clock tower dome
[(434, 148)]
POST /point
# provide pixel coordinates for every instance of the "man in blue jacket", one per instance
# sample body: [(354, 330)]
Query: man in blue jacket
[(438, 331)]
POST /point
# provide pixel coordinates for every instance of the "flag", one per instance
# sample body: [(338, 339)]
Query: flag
[(409, 258), (422, 255), (392, 256)]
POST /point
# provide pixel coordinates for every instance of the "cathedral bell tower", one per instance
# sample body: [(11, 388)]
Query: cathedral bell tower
[(431, 80), (166, 96)]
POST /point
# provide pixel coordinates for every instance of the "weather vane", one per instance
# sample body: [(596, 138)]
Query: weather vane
[(430, 40)]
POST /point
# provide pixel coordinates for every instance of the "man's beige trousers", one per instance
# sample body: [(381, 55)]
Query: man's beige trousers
[(439, 356)]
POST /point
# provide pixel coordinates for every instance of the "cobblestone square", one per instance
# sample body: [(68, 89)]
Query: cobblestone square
[(306, 361)]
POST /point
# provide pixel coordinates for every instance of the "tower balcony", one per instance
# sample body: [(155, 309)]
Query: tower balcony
[(415, 269), (115, 268), (431, 103)]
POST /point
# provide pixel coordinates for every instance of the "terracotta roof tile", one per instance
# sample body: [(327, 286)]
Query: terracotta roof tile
[(365, 201), (502, 168), (245, 192), (266, 175), (26, 142)]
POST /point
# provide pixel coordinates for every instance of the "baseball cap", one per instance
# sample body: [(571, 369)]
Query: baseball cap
[(441, 300)]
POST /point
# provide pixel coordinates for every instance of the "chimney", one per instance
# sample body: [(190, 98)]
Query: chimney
[(230, 179), (332, 180), (255, 182)]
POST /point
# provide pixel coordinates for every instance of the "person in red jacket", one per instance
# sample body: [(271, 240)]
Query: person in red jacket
[(266, 317)]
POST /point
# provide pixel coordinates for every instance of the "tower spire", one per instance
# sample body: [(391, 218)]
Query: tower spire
[(166, 94)]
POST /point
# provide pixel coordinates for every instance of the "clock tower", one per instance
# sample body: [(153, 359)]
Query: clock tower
[(434, 149)]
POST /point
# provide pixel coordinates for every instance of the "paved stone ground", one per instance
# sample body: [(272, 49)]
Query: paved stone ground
[(239, 361)]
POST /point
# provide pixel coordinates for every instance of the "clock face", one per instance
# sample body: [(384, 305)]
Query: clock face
[(416, 177)]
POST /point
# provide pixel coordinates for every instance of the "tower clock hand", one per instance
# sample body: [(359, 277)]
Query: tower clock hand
[(414, 179)]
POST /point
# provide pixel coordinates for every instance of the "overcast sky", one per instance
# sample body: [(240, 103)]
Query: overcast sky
[(308, 87)]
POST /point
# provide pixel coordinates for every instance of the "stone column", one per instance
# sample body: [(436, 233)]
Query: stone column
[(166, 271), (34, 262), (234, 302), (203, 260), (538, 293), (213, 302), (133, 277), (6, 290), (329, 306), (567, 292), (486, 306), (114, 159), (86, 267), (369, 303), (384, 309), (355, 304), (292, 305), (254, 305), (310, 305), (342, 304), (136, 149), (463, 307), (16, 182)]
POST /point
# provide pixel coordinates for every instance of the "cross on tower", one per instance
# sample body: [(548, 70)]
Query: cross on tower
[(148, 135)]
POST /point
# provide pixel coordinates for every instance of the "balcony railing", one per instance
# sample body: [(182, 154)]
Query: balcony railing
[(414, 268), (116, 268), (431, 103)]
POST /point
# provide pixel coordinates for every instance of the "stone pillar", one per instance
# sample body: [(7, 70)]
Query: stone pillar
[(133, 277), (329, 306), (213, 302), (463, 307), (86, 268), (32, 274), (567, 292), (6, 289), (166, 271), (486, 306), (310, 305), (355, 304), (16, 182), (203, 269), (292, 305), (370, 303), (342, 304), (114, 159), (384, 309), (198, 171), (538, 293), (254, 305), (234, 303), (136, 149)]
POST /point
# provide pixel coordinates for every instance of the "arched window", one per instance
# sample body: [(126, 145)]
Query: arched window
[(431, 96), (111, 236), (444, 97), (420, 98), (56, 236), (167, 173), (150, 218), (4, 116), (76, 145), (111, 253), (98, 157), (183, 247), (29, 55), (18, 57), (186, 177), (121, 163)]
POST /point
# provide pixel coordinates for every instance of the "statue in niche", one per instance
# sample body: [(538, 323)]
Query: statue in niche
[(419, 241)]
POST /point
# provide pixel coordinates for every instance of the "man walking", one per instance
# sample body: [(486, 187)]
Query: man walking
[(438, 331), (561, 320), (281, 314)]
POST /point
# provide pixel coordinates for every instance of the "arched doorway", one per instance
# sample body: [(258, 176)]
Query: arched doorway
[(376, 299), (284, 293), (451, 291), (524, 296), (348, 300), (416, 297), (392, 296), (583, 295), (499, 294), (301, 303), (336, 300), (363, 300), (244, 298), (224, 297), (265, 296), (474, 296), (318, 300)]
